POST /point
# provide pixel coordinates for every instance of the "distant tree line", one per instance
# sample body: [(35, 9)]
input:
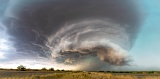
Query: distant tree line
[(23, 68)]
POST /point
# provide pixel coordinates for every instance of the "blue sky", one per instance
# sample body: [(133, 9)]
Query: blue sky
[(146, 50)]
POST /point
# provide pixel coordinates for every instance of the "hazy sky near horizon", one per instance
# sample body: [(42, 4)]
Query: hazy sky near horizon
[(22, 36)]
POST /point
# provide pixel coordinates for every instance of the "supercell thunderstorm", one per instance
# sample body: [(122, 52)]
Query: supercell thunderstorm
[(97, 33), (102, 38)]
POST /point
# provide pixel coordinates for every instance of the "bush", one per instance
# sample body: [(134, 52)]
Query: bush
[(51, 69), (21, 68), (57, 70), (44, 69), (62, 70)]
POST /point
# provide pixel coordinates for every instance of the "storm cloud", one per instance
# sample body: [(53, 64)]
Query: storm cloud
[(71, 32)]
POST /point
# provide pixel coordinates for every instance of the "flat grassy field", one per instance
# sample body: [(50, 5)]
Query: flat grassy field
[(74, 75)]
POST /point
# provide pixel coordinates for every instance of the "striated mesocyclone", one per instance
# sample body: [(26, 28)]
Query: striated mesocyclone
[(103, 38), (70, 31)]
